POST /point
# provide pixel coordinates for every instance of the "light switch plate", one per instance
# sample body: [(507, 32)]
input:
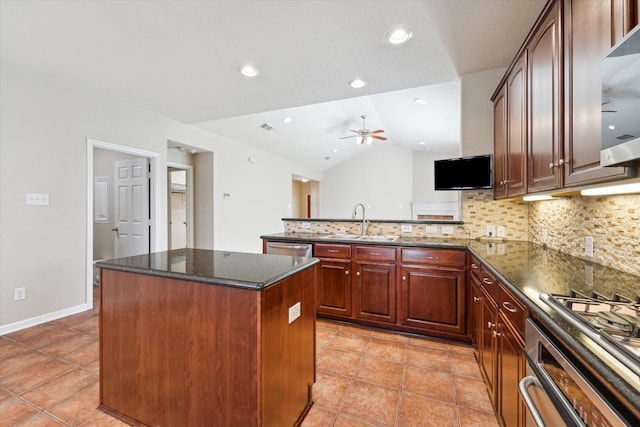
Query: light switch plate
[(447, 229), (41, 199), (588, 246), (406, 228), (306, 225), (431, 229)]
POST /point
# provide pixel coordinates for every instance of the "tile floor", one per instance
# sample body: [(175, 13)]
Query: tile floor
[(49, 377)]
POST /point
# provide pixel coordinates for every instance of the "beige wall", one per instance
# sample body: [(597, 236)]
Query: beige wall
[(44, 248)]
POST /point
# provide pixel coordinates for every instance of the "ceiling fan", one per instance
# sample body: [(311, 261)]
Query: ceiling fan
[(364, 135)]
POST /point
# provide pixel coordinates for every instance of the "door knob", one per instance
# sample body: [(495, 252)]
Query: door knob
[(115, 229)]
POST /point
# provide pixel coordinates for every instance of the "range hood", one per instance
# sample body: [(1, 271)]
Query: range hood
[(621, 103)]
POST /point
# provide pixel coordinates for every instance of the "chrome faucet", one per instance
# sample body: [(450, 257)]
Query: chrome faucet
[(363, 231)]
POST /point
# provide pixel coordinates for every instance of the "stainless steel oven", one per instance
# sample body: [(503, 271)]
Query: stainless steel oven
[(557, 390)]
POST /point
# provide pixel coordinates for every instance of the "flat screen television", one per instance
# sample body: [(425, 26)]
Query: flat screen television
[(464, 173)]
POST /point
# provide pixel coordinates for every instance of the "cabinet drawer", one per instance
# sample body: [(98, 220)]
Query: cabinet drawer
[(375, 253), (489, 283), (433, 257), (475, 267), (512, 308), (322, 250)]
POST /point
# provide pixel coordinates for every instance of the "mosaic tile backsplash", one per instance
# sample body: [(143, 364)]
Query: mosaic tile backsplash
[(613, 222)]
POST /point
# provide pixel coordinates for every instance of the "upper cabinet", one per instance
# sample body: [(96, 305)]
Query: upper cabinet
[(591, 29), (544, 56), (547, 107)]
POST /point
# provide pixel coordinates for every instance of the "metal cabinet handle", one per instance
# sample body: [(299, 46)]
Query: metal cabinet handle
[(551, 166), (357, 273), (346, 272), (476, 299), (434, 258), (496, 334), (507, 306), (474, 266), (404, 277), (374, 253), (523, 385), (333, 251), (490, 325), (487, 281)]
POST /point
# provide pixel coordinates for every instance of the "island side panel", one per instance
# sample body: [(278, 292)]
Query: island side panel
[(288, 349), (176, 352)]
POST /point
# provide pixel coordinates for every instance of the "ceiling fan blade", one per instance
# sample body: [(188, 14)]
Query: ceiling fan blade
[(350, 136), (377, 131), (381, 138)]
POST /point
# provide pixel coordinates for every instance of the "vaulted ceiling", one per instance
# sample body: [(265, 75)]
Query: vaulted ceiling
[(181, 58)]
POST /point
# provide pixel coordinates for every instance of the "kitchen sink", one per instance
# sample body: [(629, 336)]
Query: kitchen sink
[(378, 238), (369, 238)]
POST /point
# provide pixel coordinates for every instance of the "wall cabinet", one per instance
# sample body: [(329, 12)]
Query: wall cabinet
[(510, 134), (557, 75), (544, 62)]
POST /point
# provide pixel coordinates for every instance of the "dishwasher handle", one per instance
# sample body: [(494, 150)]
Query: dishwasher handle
[(523, 385), (288, 246)]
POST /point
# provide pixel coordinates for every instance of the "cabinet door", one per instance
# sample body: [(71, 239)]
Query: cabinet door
[(516, 181), (589, 35), (433, 299), (488, 346), (334, 288), (544, 71), (511, 366), (374, 290), (500, 144), (475, 312)]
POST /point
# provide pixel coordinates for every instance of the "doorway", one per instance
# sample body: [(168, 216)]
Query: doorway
[(97, 210), (180, 201), (304, 197)]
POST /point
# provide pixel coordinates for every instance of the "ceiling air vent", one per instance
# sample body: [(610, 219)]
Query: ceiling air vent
[(266, 126)]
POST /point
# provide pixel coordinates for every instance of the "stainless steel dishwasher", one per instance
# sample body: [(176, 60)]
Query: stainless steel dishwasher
[(290, 248)]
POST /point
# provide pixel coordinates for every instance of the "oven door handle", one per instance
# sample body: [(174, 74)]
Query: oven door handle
[(523, 385)]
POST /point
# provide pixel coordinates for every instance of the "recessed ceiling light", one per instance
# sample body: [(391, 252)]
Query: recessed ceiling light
[(335, 150), (249, 71), (420, 101), (612, 127), (287, 120), (398, 36), (357, 83), (422, 143)]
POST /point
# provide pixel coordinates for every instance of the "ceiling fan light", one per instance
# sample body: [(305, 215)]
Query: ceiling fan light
[(357, 83), (398, 36)]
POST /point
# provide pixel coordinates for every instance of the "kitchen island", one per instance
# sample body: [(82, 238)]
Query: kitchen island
[(201, 338)]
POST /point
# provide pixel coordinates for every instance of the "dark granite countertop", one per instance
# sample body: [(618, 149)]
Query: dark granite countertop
[(530, 270), (236, 269)]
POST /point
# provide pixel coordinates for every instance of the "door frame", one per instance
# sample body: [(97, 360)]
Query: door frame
[(189, 193), (155, 234)]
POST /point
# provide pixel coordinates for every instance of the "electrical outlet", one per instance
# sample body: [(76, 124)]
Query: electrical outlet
[(501, 231), (19, 294), (543, 238), (588, 274), (491, 231), (431, 229), (588, 246), (447, 229), (306, 225), (294, 312), (406, 228)]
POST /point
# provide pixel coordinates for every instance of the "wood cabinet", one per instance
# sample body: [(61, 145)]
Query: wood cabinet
[(374, 283), (496, 323), (432, 290), (548, 104), (333, 292), (544, 68), (591, 29), (510, 134)]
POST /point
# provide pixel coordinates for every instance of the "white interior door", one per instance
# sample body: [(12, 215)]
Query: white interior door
[(178, 220), (131, 231)]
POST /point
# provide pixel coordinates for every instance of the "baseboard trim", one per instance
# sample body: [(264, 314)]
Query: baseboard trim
[(44, 318)]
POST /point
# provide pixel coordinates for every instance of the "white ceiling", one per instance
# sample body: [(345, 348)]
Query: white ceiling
[(180, 59)]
